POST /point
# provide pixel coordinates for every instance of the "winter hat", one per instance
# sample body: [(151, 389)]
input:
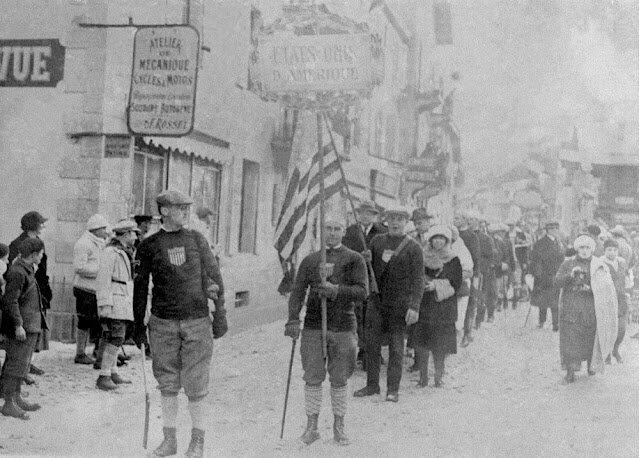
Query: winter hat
[(440, 230)]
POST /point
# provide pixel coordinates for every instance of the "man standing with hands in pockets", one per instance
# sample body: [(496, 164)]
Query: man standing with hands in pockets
[(399, 269)]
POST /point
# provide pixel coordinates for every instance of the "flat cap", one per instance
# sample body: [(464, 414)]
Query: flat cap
[(124, 226), (420, 214), (368, 205), (396, 210), (97, 221), (172, 197), (551, 225)]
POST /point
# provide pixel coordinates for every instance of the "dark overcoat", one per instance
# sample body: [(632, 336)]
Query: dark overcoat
[(577, 320), (400, 280), (435, 328), (545, 258)]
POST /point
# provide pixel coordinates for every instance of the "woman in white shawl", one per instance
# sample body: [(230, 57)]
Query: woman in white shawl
[(588, 310)]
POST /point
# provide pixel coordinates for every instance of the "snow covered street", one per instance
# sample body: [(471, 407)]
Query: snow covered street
[(502, 396)]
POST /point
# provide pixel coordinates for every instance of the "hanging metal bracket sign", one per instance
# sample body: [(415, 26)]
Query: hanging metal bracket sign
[(163, 81)]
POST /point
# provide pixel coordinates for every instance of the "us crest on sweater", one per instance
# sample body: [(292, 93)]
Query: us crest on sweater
[(177, 255)]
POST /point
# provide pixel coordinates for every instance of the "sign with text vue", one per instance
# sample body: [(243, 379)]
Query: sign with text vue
[(163, 81), (31, 63)]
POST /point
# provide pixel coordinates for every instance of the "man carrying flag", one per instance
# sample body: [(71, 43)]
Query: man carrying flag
[(346, 283)]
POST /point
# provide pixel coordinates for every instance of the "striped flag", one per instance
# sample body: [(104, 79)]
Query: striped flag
[(302, 197)]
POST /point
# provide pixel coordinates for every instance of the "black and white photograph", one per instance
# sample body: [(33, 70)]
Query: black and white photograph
[(319, 228)]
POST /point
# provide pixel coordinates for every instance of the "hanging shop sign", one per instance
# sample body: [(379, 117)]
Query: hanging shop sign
[(310, 57), (163, 81), (117, 146), (31, 63)]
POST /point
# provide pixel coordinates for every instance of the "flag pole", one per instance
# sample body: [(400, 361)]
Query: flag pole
[(323, 272), (373, 286)]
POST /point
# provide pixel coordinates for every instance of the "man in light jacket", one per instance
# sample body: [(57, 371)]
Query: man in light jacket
[(114, 294), (86, 262)]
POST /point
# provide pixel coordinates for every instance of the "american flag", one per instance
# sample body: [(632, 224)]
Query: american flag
[(302, 196)]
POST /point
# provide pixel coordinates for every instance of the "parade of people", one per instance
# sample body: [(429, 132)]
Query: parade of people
[(319, 228)]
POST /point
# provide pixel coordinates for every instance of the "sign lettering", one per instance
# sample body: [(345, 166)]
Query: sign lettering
[(314, 62), (163, 81), (31, 63)]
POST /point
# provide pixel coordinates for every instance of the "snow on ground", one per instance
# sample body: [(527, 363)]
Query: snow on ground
[(503, 396)]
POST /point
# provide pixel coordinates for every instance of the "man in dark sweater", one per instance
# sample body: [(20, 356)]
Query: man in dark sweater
[(367, 227), (470, 240), (487, 255), (346, 283), (185, 275), (399, 268)]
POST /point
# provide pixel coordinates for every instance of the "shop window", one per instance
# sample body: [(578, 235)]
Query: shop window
[(201, 179), (147, 182), (248, 221), (206, 185)]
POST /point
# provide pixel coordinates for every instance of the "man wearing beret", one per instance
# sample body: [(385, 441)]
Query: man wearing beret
[(114, 295), (367, 227), (545, 258), (185, 276), (346, 283), (399, 269)]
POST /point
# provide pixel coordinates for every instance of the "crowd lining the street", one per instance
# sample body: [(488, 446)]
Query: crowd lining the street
[(416, 291)]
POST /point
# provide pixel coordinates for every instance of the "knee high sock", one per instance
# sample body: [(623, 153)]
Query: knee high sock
[(339, 398), (312, 399), (81, 341), (109, 360), (197, 409), (169, 411)]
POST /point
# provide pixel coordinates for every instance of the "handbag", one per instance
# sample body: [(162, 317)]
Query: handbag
[(443, 289)]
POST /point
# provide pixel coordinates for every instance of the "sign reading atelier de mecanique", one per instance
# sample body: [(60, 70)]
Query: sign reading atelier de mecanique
[(163, 81), (31, 63)]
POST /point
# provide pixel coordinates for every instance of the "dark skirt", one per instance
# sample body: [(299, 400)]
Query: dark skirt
[(577, 328), (435, 330)]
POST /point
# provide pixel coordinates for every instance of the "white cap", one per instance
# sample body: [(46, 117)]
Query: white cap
[(97, 221)]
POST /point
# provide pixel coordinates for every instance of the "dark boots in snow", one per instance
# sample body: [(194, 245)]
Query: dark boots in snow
[(10, 386)]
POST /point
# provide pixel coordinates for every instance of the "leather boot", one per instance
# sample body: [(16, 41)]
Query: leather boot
[(168, 447), (11, 408), (24, 405), (118, 379), (105, 383), (311, 434), (339, 432), (196, 446)]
